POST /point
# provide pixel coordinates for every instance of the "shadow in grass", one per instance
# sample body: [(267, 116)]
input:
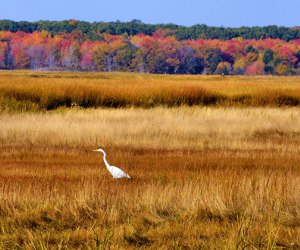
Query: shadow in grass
[(165, 213), (138, 240), (230, 216)]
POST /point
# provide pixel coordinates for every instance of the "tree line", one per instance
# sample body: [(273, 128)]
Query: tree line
[(94, 30), (159, 53)]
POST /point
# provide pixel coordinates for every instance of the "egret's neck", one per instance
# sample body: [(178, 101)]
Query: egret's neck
[(105, 161)]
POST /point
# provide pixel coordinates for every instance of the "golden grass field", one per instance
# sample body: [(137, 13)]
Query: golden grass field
[(203, 177), (33, 91)]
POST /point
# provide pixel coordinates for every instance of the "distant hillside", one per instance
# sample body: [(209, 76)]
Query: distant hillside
[(92, 30)]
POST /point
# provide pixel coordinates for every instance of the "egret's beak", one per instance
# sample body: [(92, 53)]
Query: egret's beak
[(95, 150)]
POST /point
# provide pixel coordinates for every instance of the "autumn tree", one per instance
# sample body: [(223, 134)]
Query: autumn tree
[(104, 58), (239, 66), (212, 59), (87, 52), (190, 62), (139, 62), (6, 58), (268, 56), (282, 69), (123, 58), (224, 68), (20, 57), (74, 57), (256, 68)]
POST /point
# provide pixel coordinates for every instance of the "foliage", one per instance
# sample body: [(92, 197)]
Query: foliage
[(282, 69), (159, 53), (256, 68), (224, 68), (268, 56)]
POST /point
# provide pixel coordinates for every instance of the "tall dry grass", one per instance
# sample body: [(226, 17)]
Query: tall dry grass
[(202, 178), (159, 128), (28, 91)]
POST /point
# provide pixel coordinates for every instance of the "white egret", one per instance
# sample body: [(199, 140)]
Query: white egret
[(117, 173)]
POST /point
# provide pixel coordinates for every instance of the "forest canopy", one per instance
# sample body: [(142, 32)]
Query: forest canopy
[(199, 31)]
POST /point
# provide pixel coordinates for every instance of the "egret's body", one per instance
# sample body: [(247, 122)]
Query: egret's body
[(117, 173)]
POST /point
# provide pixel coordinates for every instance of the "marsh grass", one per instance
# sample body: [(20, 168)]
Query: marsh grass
[(202, 178), (25, 90)]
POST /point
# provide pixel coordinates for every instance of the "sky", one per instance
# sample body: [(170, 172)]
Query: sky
[(227, 13)]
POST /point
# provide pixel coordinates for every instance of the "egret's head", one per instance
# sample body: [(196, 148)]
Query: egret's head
[(99, 150)]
